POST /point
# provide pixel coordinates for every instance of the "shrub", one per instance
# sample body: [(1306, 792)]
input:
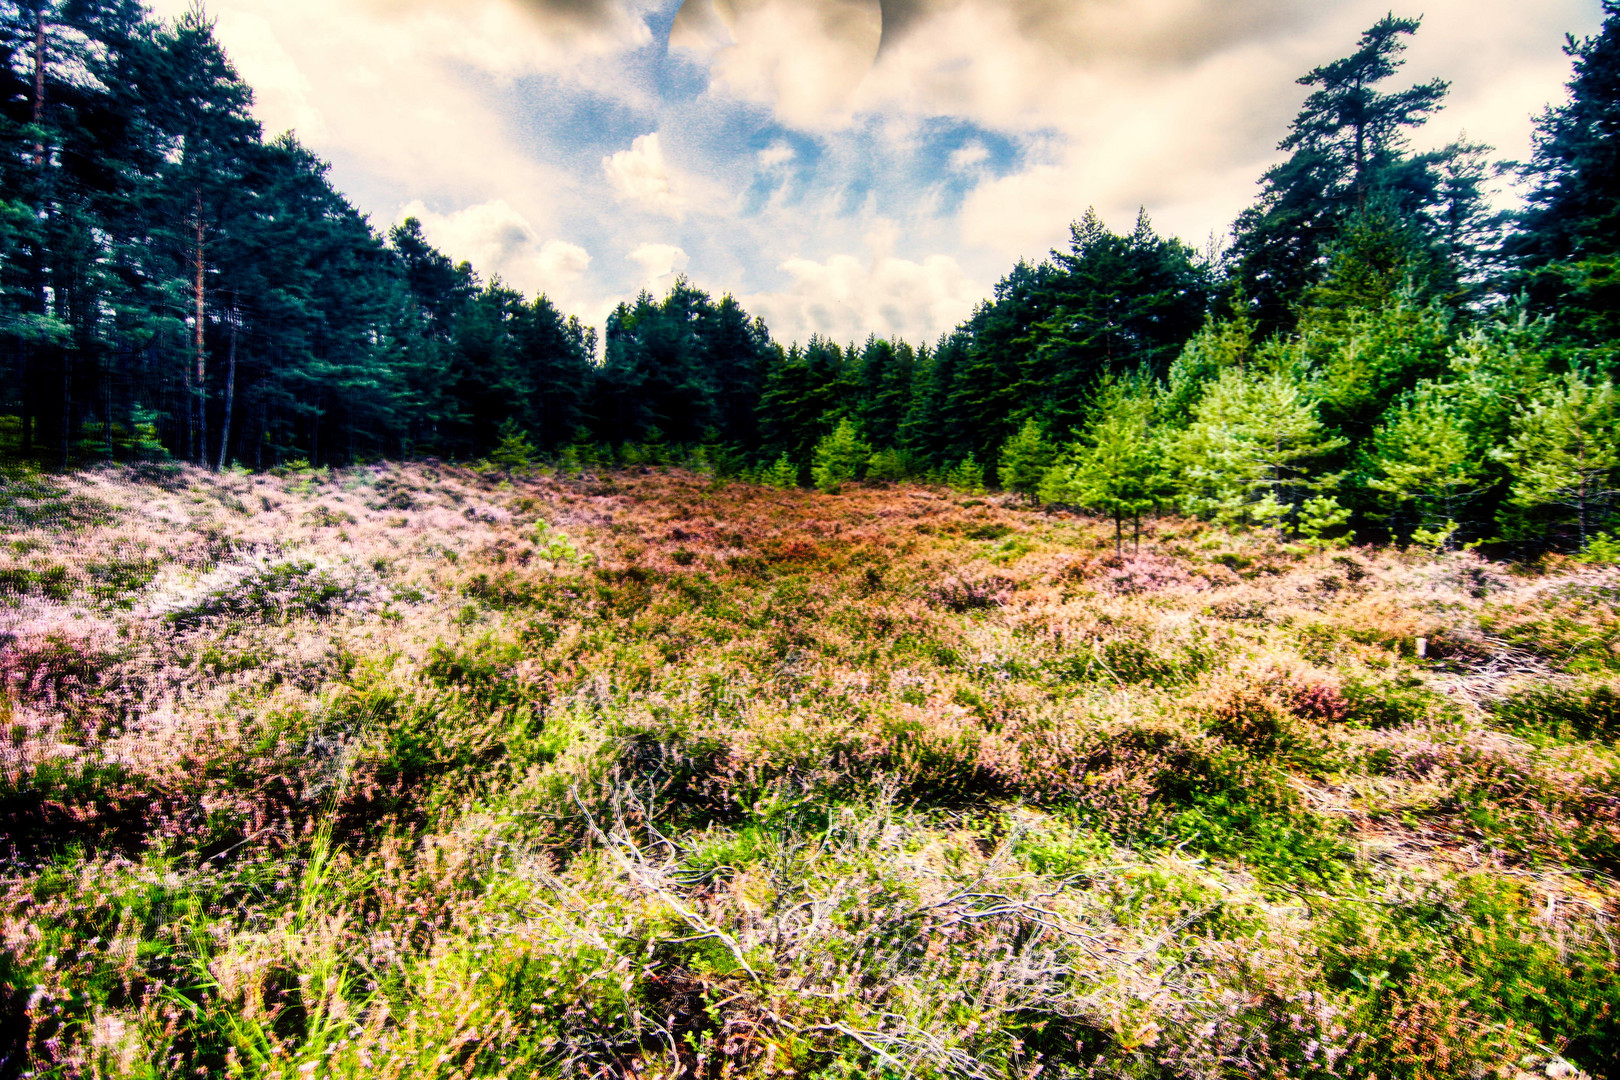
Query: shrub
[(1225, 802), (51, 582), (1575, 626), (888, 466), (839, 457), (1440, 986), (276, 592), (1584, 710), (966, 476), (1133, 661), (1601, 550), (961, 596), (514, 453), (1395, 703), (783, 475)]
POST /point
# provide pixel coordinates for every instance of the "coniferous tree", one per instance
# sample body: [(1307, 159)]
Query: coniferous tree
[(199, 193), (1374, 356), (804, 395), (1252, 452), (1566, 249), (782, 474), (839, 457), (985, 387), (1025, 460), (965, 476), (1564, 455), (926, 431), (1119, 304), (736, 350), (1346, 147), (1118, 466), (1426, 465), (886, 373), (1220, 344)]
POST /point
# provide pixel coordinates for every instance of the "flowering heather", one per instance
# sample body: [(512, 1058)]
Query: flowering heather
[(419, 771)]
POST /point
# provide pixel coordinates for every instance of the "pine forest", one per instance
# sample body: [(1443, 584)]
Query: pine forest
[(1201, 662)]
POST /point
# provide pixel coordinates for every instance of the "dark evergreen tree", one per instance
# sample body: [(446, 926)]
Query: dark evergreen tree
[(1346, 146), (886, 372), (805, 393), (736, 351), (1121, 304), (987, 379), (1566, 249)]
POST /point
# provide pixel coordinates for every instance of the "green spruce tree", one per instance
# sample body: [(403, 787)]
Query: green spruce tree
[(1253, 451), (1564, 456), (1025, 460), (1117, 468), (839, 457), (782, 474), (1425, 466), (1566, 251)]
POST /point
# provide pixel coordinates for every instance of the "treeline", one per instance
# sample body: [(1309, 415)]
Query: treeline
[(1375, 350), (171, 283)]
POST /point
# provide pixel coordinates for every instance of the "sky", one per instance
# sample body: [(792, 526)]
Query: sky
[(842, 167)]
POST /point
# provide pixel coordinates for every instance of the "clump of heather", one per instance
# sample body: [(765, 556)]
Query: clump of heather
[(412, 770)]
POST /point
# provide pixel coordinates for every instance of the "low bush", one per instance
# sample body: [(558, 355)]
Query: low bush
[(1576, 627), (273, 592), (1556, 711), (1384, 704)]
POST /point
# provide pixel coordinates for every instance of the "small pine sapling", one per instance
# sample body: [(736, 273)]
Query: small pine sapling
[(839, 458), (783, 475), (966, 476), (515, 453), (1025, 459)]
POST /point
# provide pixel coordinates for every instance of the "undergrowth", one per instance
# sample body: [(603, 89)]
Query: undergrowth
[(413, 771)]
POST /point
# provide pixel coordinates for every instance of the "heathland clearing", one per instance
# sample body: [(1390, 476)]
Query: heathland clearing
[(416, 770)]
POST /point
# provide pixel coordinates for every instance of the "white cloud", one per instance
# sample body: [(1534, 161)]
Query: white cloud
[(659, 263), (969, 156), (283, 95), (564, 262), (386, 88), (1176, 104), (500, 242), (804, 57), (776, 154), (641, 175), (845, 297), (507, 37)]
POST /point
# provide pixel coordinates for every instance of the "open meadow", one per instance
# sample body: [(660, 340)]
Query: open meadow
[(417, 771)]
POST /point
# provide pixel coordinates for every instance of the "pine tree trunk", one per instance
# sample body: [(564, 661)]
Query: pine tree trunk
[(27, 403), (1585, 508), (230, 391), (1361, 156), (67, 404), (37, 258), (191, 409), (39, 80), (201, 392), (106, 416)]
